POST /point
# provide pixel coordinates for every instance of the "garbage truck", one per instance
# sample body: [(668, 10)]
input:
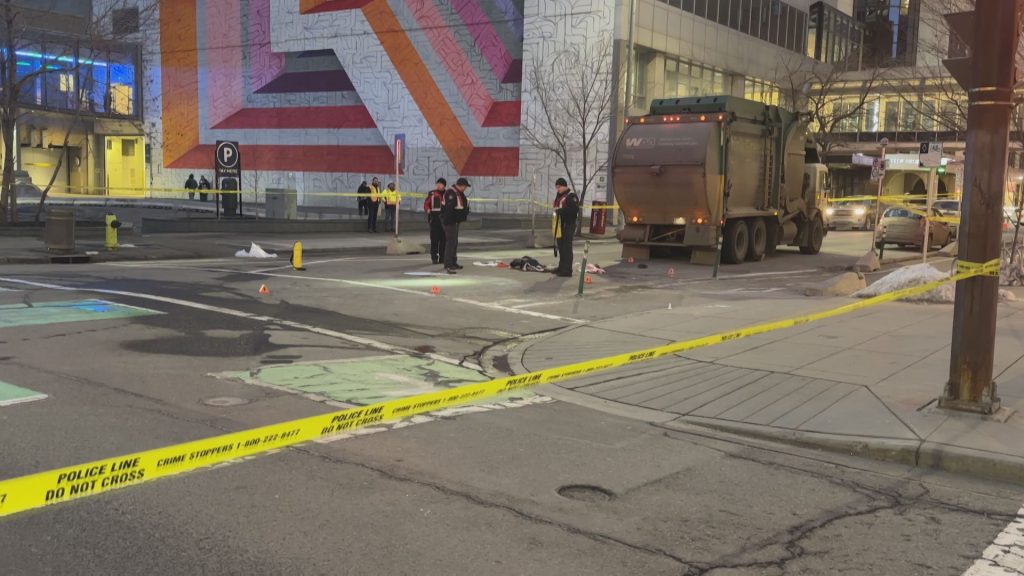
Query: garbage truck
[(728, 178)]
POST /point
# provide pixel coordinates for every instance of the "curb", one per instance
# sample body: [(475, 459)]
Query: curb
[(875, 448)]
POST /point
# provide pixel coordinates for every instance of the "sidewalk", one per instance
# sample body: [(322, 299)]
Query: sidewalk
[(89, 245), (864, 383)]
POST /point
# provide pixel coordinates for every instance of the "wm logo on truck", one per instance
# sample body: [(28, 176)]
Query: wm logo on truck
[(640, 142)]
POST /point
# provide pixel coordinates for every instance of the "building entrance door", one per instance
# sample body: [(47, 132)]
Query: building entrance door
[(125, 166)]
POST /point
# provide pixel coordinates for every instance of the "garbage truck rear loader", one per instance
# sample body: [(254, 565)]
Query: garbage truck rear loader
[(718, 173)]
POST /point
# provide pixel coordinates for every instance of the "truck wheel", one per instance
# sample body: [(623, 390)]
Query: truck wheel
[(816, 233), (735, 242), (758, 240)]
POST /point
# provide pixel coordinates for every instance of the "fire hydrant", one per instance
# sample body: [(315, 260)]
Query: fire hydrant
[(111, 226)]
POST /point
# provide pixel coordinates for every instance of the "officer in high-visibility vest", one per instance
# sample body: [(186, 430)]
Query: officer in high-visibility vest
[(563, 225), (432, 206), (390, 207), (373, 205)]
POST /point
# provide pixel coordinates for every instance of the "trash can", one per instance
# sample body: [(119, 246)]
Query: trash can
[(59, 233), (282, 204), (598, 217)]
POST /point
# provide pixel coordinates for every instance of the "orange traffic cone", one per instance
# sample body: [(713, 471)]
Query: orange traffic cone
[(588, 279), (671, 272), (630, 259), (435, 290), (264, 291)]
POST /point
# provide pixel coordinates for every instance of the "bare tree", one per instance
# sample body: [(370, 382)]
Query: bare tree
[(572, 92), (21, 30), (833, 97)]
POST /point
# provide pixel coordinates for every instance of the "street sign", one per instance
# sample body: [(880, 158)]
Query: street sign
[(931, 154), (400, 153), (227, 159), (877, 170), (227, 175)]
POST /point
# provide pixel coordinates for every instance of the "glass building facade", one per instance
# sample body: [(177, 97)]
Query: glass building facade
[(890, 31), (834, 37), (770, 20), (95, 82)]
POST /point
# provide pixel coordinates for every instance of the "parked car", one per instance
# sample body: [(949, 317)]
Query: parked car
[(903, 227), (850, 216), (950, 209), (28, 194)]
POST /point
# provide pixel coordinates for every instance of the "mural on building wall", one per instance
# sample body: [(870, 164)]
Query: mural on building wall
[(324, 85)]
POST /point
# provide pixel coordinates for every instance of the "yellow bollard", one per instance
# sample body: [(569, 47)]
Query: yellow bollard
[(110, 238), (297, 256)]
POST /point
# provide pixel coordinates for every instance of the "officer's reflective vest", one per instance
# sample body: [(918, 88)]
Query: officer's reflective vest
[(434, 201), (556, 222)]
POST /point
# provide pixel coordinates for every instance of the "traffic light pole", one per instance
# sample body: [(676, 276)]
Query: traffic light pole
[(995, 37)]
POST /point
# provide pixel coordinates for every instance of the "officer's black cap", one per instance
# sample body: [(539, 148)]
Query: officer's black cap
[(561, 182), (463, 182), (442, 182)]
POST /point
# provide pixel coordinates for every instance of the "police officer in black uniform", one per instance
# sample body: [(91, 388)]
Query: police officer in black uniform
[(432, 206), (567, 206), (454, 212)]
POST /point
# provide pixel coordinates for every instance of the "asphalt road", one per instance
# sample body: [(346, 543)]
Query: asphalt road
[(176, 355)]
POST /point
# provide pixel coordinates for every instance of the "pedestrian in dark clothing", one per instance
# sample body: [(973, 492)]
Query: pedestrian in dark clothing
[(191, 185), (454, 212), (204, 184), (432, 206), (363, 200), (567, 206), (373, 205)]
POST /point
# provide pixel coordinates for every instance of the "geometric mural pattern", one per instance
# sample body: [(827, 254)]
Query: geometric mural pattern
[(323, 85)]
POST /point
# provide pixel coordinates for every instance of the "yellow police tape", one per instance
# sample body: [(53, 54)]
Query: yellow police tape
[(64, 484), (117, 193)]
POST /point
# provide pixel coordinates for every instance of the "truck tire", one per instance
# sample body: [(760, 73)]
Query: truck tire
[(758, 240), (772, 231), (735, 241), (815, 236)]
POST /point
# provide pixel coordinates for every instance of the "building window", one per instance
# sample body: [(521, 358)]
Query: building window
[(890, 31), (771, 20), (762, 91), (67, 82), (125, 21), (833, 37), (688, 79)]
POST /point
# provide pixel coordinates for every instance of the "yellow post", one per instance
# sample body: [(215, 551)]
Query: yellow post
[(111, 226), (297, 256)]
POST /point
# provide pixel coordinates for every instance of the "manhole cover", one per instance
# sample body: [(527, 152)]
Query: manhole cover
[(585, 493), (225, 401)]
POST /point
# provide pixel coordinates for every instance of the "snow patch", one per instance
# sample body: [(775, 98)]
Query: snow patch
[(916, 275)]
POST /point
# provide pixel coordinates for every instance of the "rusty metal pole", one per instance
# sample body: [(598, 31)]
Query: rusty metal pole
[(996, 34)]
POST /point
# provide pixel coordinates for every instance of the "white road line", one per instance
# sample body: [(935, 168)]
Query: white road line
[(369, 343), (421, 293), (1005, 555)]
